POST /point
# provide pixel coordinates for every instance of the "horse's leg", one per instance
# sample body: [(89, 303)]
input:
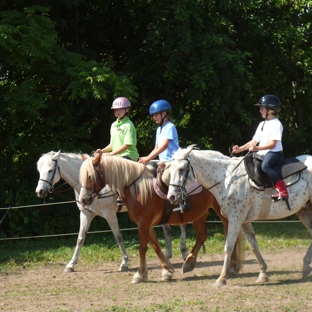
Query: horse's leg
[(233, 231), (167, 232), (249, 233), (112, 221), (142, 274), (305, 216), (168, 237), (200, 228), (183, 247), (238, 254), (85, 220), (167, 268)]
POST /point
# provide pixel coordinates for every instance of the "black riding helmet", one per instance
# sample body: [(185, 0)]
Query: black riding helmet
[(271, 102)]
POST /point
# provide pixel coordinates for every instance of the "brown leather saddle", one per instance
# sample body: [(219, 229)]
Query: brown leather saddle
[(284, 168)]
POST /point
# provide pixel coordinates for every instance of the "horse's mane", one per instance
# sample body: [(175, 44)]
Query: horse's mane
[(68, 158), (120, 173), (183, 153), (66, 154)]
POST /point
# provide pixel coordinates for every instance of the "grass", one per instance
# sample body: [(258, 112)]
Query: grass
[(32, 253), (285, 292)]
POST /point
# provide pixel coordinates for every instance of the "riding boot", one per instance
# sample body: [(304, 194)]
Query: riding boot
[(281, 191)]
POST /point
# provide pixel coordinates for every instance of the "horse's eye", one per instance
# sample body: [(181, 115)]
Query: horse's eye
[(50, 170)]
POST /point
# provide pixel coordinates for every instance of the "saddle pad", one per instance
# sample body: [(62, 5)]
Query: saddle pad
[(195, 188), (158, 191), (290, 166)]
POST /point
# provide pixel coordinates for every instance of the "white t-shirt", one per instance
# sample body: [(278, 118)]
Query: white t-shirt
[(168, 131), (272, 130)]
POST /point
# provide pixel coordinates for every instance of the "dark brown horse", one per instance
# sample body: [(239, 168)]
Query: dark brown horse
[(134, 182)]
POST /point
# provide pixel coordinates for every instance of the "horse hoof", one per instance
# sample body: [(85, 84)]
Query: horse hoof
[(187, 268), (69, 270), (123, 268), (166, 276), (263, 278), (220, 283), (306, 272), (137, 278), (189, 264)]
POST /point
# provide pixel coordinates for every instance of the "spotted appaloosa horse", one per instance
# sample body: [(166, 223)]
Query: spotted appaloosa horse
[(134, 182), (52, 167), (240, 203)]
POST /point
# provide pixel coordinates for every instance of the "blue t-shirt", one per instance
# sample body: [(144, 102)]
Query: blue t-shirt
[(168, 131)]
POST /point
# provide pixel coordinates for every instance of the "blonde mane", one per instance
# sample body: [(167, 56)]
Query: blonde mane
[(120, 173)]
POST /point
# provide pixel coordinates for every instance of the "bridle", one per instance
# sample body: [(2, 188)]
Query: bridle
[(94, 193), (189, 166), (182, 186), (51, 188)]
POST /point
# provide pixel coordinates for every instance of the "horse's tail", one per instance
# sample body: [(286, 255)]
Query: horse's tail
[(238, 254)]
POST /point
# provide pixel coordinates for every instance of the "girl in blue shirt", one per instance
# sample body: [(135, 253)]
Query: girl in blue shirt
[(167, 141)]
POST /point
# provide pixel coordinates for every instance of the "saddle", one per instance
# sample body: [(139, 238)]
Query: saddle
[(284, 168)]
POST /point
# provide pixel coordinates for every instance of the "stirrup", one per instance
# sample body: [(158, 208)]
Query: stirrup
[(278, 196), (119, 201), (184, 206)]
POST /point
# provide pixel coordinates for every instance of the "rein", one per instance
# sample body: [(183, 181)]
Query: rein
[(182, 187), (106, 196), (229, 173), (127, 187)]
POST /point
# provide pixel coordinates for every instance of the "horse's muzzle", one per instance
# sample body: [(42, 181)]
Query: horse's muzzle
[(174, 199), (88, 200)]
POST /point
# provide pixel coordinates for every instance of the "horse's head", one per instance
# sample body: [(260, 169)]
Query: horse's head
[(181, 175), (49, 173), (91, 179)]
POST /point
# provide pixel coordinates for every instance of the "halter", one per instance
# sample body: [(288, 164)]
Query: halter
[(51, 188), (182, 187)]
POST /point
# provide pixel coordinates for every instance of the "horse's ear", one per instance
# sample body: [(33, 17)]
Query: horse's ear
[(84, 157), (189, 149), (96, 159), (56, 155), (192, 146)]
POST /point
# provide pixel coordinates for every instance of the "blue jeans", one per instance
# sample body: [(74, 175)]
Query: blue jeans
[(268, 162)]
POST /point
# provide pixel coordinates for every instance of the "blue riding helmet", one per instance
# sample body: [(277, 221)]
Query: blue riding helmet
[(159, 107)]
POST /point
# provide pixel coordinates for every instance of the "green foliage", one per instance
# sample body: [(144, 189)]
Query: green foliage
[(62, 64)]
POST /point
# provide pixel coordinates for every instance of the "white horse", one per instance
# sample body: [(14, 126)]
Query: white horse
[(226, 178), (56, 165)]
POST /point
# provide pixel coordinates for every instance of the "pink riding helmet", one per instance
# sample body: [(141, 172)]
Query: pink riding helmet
[(121, 102)]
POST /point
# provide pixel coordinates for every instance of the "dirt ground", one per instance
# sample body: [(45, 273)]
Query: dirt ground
[(102, 288)]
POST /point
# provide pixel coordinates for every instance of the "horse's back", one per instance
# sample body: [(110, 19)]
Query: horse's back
[(307, 160)]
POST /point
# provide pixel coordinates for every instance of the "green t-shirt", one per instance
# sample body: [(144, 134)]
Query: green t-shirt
[(123, 132)]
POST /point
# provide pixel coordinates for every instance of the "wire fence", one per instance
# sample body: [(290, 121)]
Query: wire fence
[(104, 231)]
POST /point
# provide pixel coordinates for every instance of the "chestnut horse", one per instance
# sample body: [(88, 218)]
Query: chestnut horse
[(134, 183)]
